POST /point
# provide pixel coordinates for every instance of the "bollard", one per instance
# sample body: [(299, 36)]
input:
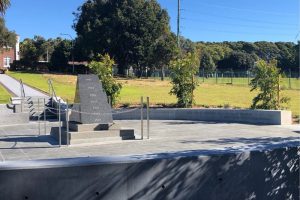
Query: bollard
[(148, 123), (67, 123), (59, 123), (45, 127), (38, 112), (142, 119)]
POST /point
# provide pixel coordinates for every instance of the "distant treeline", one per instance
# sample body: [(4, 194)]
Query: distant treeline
[(243, 55)]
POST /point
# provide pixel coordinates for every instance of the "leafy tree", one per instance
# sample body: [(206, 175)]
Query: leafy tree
[(7, 38), (183, 71), (30, 53), (61, 55), (164, 51), (207, 62), (103, 67), (125, 29), (238, 61), (267, 81), (4, 4)]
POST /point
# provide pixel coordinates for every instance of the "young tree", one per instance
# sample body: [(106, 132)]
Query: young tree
[(267, 81), (183, 71), (103, 67)]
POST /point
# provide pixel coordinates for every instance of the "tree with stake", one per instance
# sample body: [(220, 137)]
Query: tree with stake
[(183, 71), (267, 81)]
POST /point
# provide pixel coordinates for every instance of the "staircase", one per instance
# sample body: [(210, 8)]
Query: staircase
[(37, 107)]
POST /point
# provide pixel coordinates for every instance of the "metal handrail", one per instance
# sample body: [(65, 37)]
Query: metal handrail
[(22, 89), (51, 89), (22, 94)]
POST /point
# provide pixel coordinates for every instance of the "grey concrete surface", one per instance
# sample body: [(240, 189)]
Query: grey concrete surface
[(166, 137), (267, 117), (14, 87), (182, 160), (266, 175)]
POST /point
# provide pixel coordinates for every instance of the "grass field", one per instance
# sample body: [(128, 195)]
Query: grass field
[(4, 95), (206, 95)]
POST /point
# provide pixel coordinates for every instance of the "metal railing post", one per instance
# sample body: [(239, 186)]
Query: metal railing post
[(148, 123), (38, 113), (67, 123), (45, 126), (59, 119), (142, 118)]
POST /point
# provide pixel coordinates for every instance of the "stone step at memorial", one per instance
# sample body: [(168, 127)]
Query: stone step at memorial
[(92, 136)]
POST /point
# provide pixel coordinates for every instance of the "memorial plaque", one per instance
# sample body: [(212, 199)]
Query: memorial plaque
[(91, 102)]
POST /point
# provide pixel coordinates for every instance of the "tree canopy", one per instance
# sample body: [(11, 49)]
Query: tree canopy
[(128, 30)]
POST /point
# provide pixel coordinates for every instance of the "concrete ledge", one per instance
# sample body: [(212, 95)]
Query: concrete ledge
[(267, 117), (246, 175)]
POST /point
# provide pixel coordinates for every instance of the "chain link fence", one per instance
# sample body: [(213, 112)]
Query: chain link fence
[(290, 80)]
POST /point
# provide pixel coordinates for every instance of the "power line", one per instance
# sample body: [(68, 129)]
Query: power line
[(249, 10), (241, 19), (235, 24), (239, 32)]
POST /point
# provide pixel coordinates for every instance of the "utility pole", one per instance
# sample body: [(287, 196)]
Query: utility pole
[(178, 25)]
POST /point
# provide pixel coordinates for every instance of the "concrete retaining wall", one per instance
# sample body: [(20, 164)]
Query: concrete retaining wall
[(272, 175), (268, 117)]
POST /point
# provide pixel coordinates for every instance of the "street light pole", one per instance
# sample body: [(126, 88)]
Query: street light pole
[(72, 40)]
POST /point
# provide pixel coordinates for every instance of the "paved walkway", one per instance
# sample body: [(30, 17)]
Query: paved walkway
[(167, 138), (14, 87)]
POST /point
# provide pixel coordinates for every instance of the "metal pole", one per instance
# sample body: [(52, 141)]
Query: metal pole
[(38, 112), (231, 77), (216, 76), (67, 123), (142, 118), (148, 122), (59, 123), (290, 76), (203, 74), (45, 127), (248, 74)]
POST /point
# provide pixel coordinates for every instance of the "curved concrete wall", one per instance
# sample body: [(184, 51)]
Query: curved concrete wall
[(268, 117), (268, 175)]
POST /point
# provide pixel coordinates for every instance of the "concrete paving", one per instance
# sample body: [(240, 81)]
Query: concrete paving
[(167, 138), (14, 87)]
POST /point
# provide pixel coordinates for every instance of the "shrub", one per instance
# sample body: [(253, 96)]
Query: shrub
[(103, 67)]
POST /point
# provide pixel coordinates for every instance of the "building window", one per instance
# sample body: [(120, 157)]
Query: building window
[(7, 61)]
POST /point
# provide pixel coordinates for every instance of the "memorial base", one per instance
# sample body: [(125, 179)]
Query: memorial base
[(88, 135)]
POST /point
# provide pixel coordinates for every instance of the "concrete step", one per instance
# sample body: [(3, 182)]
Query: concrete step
[(93, 136)]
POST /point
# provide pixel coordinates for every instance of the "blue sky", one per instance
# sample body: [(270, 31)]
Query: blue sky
[(202, 20)]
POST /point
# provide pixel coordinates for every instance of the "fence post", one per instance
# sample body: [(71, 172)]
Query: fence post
[(59, 119), (248, 76), (290, 76), (148, 123), (216, 73), (38, 112), (203, 74), (45, 127), (67, 123), (142, 118), (231, 77)]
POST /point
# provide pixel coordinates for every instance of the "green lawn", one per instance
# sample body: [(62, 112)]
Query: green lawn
[(4, 95), (64, 85), (207, 95)]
